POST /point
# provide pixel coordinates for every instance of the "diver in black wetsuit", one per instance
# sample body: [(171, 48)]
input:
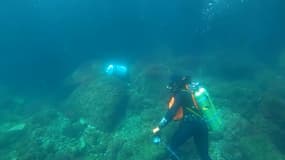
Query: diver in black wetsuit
[(182, 107)]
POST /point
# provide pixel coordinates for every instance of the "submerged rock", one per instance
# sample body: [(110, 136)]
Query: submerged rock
[(102, 101), (11, 133), (17, 127)]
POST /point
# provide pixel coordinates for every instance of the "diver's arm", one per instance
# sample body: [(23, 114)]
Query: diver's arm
[(172, 111), (169, 114)]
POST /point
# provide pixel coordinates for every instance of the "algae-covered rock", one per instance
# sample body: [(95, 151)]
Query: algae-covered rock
[(102, 101), (104, 118), (61, 138), (230, 66), (152, 79), (10, 133), (133, 141), (259, 147), (84, 74)]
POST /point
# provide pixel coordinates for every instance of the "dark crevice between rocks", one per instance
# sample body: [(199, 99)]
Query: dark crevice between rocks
[(118, 114)]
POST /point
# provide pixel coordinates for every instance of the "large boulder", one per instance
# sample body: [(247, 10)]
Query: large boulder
[(102, 100)]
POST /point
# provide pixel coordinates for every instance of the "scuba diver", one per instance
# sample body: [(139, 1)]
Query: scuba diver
[(183, 107)]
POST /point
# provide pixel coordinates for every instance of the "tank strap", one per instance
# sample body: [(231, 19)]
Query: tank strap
[(193, 112), (193, 98), (195, 105), (194, 101)]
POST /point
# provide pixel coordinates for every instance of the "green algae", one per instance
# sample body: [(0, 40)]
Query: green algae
[(79, 127)]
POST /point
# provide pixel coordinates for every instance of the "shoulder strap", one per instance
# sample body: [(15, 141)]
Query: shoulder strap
[(192, 111), (195, 104), (193, 98), (194, 101)]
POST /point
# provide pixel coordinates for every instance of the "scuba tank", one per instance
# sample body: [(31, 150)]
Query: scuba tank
[(206, 106)]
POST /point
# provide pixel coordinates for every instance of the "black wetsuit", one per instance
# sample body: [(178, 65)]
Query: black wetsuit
[(190, 125)]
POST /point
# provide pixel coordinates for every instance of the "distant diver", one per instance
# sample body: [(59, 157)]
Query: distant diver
[(120, 71), (117, 70)]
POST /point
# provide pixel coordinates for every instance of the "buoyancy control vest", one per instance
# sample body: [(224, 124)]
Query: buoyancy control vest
[(204, 108), (194, 110)]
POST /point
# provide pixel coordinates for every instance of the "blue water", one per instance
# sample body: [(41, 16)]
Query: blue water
[(42, 42), (38, 33)]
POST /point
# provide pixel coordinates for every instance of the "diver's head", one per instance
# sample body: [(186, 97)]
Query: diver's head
[(178, 82)]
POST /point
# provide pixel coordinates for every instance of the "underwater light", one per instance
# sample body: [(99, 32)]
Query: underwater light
[(110, 69), (115, 69)]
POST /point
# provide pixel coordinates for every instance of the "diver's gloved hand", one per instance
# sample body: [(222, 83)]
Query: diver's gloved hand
[(156, 130), (156, 139), (161, 124)]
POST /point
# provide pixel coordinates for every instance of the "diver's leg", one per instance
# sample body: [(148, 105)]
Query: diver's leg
[(202, 141), (184, 132), (181, 135)]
